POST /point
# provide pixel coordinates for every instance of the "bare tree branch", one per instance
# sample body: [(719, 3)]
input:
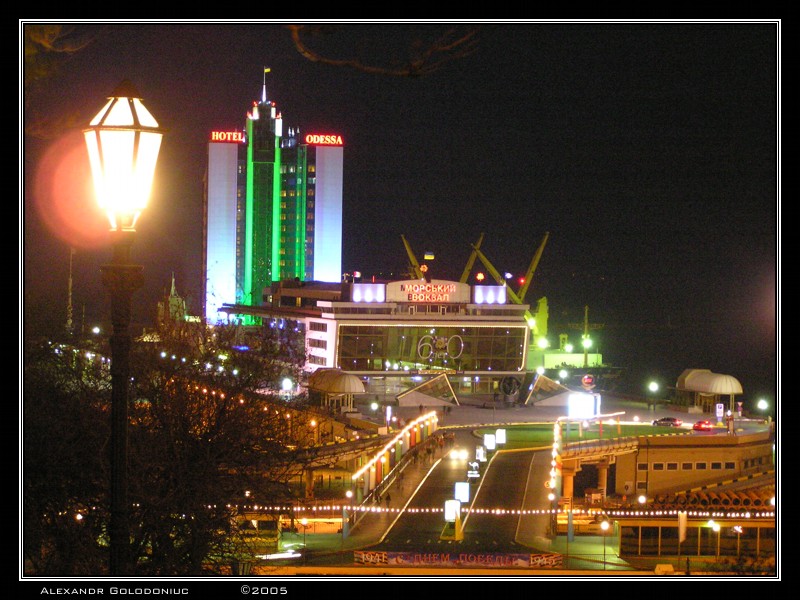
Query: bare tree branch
[(424, 56)]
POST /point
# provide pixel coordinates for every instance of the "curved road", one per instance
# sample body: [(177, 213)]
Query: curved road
[(520, 475)]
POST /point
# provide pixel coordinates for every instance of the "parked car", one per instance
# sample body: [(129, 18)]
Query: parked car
[(668, 422), (704, 425)]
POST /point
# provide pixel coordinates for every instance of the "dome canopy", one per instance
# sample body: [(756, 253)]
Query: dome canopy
[(335, 381), (704, 381)]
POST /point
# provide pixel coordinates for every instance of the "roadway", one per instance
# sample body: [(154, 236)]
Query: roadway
[(412, 521)]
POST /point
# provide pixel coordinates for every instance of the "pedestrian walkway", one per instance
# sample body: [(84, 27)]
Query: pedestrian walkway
[(373, 520)]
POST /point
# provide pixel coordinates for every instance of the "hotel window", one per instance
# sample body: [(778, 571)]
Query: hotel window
[(312, 168), (701, 466), (658, 466), (641, 467), (730, 466), (641, 485), (310, 192), (687, 466), (672, 466), (316, 360), (315, 326), (716, 466), (318, 344)]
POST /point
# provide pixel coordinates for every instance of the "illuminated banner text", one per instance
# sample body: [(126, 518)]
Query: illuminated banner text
[(324, 140), (428, 292), (545, 560), (236, 137), (434, 291)]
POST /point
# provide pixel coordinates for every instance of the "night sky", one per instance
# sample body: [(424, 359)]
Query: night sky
[(648, 151)]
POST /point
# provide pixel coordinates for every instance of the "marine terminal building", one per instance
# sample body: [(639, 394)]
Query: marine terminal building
[(272, 249), (406, 329)]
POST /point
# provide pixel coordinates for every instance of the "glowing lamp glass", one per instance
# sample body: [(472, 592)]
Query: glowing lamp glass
[(123, 141)]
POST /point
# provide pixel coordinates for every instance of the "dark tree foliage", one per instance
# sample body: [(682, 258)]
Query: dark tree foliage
[(398, 50), (208, 437), (47, 48), (64, 462)]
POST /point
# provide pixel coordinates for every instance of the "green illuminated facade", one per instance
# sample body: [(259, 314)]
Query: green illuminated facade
[(284, 202)]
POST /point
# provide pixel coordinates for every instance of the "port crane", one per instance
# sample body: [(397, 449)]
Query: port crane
[(515, 297)]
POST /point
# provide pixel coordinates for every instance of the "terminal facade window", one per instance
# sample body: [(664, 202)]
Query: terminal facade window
[(369, 347)]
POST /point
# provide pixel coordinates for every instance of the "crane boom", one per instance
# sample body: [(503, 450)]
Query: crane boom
[(414, 264), (471, 261), (497, 277), (532, 268)]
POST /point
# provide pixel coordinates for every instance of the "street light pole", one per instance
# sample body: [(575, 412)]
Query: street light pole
[(345, 516), (123, 141), (121, 279), (604, 526), (304, 523)]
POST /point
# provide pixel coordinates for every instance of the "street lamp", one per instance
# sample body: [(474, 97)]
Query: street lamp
[(345, 516), (738, 530), (715, 527), (286, 387), (604, 526), (304, 523), (653, 388), (586, 342), (123, 141)]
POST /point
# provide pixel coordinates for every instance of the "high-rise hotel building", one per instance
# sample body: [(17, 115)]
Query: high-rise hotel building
[(273, 209)]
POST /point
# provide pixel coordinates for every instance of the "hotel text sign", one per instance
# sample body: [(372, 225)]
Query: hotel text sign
[(427, 292), (236, 137)]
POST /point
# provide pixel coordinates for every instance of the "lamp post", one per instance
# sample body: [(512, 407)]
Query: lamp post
[(653, 388), (738, 530), (717, 528), (604, 526), (123, 141), (304, 523), (345, 516)]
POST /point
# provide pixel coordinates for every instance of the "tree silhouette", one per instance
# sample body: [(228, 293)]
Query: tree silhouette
[(422, 49), (208, 436), (47, 47)]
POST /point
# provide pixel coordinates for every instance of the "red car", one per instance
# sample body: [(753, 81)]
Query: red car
[(704, 425)]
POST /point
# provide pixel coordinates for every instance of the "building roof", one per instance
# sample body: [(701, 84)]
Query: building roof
[(704, 381), (335, 381)]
